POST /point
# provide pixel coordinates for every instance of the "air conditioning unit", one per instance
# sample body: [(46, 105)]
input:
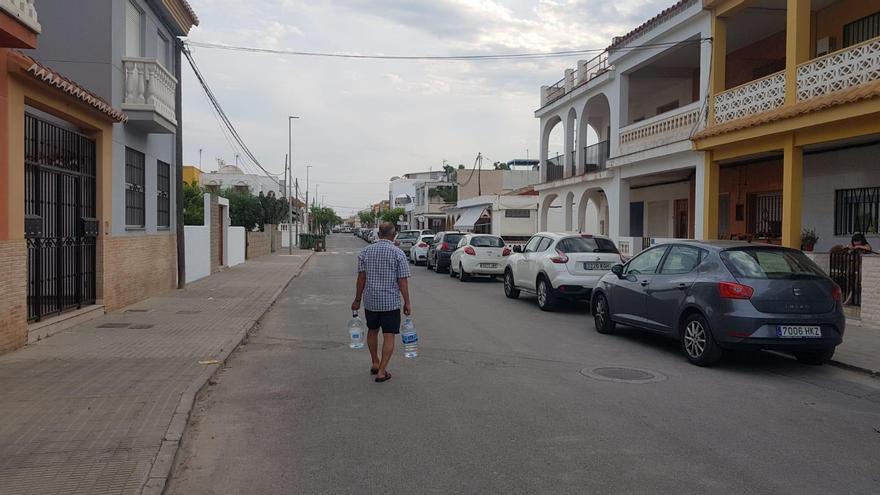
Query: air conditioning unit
[(825, 46)]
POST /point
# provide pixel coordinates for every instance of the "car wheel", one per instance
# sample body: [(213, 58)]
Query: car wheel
[(602, 315), (815, 358), (462, 276), (428, 262), (451, 272), (510, 289), (697, 342), (546, 299)]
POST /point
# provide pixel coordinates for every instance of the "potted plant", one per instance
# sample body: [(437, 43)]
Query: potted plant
[(808, 239)]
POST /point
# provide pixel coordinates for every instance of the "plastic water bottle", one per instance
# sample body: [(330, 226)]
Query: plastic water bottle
[(356, 331), (410, 339)]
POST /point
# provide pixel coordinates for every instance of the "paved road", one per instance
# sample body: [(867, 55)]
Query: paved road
[(501, 400)]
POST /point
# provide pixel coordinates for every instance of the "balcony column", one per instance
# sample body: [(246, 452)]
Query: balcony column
[(711, 179), (620, 118), (617, 197), (792, 192), (699, 199), (797, 44), (717, 77)]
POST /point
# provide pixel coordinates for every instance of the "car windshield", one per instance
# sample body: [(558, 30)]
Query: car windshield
[(408, 234), (770, 263), (452, 238), (587, 245), (487, 241)]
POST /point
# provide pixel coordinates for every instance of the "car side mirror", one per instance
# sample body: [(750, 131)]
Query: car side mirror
[(517, 249), (617, 270)]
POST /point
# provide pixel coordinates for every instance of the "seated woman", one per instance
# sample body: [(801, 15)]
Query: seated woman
[(859, 243)]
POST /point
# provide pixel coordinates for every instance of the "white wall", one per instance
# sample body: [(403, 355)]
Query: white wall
[(236, 244), (824, 173), (646, 94), (197, 239), (666, 193)]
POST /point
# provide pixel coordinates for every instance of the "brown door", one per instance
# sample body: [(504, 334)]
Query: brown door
[(681, 218)]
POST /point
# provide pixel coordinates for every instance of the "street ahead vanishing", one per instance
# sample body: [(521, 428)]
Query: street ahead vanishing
[(505, 398)]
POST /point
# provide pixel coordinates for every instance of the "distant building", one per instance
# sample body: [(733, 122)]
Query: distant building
[(473, 183), (231, 177), (402, 192), (192, 174)]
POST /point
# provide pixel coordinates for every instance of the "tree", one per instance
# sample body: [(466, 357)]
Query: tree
[(193, 204), (449, 194), (367, 218), (501, 166), (392, 216), (324, 218), (274, 209), (245, 209)]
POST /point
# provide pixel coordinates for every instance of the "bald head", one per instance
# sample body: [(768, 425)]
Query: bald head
[(387, 230)]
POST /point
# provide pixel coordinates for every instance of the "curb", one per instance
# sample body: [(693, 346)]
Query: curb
[(163, 463), (857, 369)]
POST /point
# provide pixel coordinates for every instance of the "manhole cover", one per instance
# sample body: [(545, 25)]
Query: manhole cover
[(141, 326), (188, 312), (623, 374), (114, 325)]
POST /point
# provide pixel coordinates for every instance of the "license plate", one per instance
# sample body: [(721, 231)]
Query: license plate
[(798, 331), (488, 265), (594, 265)]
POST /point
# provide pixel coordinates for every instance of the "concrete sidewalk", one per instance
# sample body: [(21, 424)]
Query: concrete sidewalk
[(100, 407), (860, 348)]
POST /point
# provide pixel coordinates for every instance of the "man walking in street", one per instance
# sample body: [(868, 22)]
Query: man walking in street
[(383, 273)]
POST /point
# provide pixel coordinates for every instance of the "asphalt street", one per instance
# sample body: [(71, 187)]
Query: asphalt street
[(504, 398)]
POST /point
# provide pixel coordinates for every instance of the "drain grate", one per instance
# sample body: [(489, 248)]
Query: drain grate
[(623, 374), (114, 325), (141, 326), (188, 312)]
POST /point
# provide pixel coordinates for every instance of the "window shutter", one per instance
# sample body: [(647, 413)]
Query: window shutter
[(133, 30)]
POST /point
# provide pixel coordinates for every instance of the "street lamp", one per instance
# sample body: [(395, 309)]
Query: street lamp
[(307, 196), (288, 181)]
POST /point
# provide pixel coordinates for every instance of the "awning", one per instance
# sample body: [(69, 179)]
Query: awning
[(469, 217)]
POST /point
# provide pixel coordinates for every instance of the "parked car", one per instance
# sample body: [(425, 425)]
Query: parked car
[(720, 295), (478, 254), (418, 253), (440, 251), (372, 235), (406, 238), (558, 266)]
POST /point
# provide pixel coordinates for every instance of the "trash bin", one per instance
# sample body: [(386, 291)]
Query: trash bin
[(320, 243), (306, 241)]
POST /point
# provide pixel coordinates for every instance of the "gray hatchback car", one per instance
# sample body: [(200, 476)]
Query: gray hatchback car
[(725, 295)]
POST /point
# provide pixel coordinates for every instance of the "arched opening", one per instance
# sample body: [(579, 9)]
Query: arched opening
[(595, 132), (593, 212), (571, 140), (553, 144), (550, 215)]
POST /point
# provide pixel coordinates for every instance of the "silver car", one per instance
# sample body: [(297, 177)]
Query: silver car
[(721, 295)]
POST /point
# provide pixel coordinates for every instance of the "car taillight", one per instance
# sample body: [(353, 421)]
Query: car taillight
[(733, 290), (469, 250), (562, 258), (422, 245), (505, 252), (837, 294), (444, 246)]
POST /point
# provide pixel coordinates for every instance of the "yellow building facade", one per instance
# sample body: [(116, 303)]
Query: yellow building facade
[(793, 127), (192, 174)]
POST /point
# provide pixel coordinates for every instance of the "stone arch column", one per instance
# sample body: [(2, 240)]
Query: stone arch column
[(547, 129), (568, 204), (544, 211), (571, 139)]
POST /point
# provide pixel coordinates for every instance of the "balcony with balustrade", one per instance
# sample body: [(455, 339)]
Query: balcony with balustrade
[(574, 79), (149, 95)]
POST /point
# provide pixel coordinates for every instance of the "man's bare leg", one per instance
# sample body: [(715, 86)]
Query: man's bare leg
[(387, 351), (373, 345)]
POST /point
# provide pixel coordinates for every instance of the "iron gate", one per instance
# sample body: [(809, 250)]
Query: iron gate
[(60, 224)]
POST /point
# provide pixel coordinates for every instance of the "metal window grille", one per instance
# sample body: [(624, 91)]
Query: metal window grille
[(857, 210), (765, 214), (861, 30), (163, 194), (596, 156), (517, 213), (135, 204)]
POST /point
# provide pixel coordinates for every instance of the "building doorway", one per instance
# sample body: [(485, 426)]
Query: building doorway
[(61, 228), (681, 218)]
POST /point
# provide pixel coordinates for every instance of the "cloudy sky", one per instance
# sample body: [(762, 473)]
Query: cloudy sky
[(364, 121)]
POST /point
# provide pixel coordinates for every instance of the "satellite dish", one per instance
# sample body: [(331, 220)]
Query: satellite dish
[(421, 218)]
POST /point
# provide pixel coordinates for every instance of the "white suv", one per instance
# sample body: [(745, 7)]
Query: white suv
[(559, 266)]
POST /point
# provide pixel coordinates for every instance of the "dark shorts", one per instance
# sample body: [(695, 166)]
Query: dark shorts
[(389, 321)]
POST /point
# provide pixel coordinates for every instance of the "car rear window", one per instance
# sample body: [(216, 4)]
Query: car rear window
[(587, 245), (452, 238), (770, 263), (427, 238), (494, 242)]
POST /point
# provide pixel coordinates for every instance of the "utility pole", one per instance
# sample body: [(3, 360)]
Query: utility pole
[(296, 200), (288, 172), (308, 215), (200, 158), (479, 174), (290, 154)]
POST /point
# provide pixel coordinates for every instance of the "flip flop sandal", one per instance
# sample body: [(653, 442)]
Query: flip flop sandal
[(383, 379), (374, 371)]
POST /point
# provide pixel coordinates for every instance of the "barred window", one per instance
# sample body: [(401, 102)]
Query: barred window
[(857, 210), (861, 30), (135, 205), (517, 213), (765, 214), (163, 194)]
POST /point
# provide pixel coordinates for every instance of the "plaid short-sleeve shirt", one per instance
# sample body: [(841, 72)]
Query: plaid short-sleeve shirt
[(384, 263)]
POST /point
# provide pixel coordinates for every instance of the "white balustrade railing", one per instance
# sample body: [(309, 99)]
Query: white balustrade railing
[(665, 128), (752, 98), (149, 86), (24, 11), (839, 70)]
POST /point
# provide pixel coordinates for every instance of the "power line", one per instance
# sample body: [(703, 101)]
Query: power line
[(499, 56)]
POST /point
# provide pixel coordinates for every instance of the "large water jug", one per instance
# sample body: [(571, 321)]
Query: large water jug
[(355, 331), (410, 339)]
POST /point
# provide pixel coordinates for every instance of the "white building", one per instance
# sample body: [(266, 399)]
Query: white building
[(615, 134), (231, 177), (513, 217), (402, 193)]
